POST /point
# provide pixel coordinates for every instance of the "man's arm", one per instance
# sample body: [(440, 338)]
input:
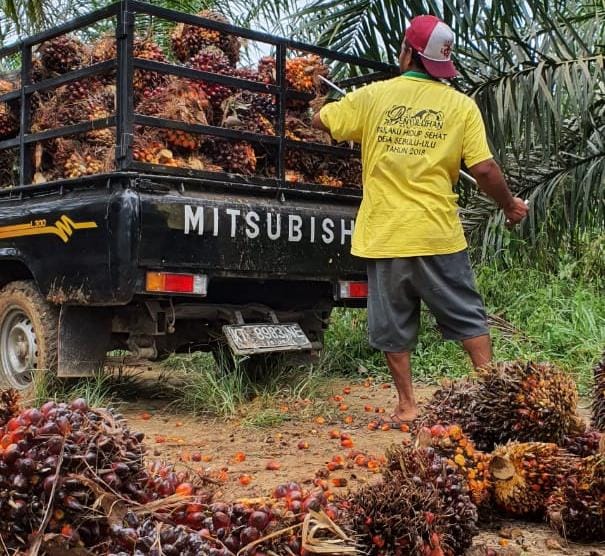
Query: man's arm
[(491, 181), (318, 124)]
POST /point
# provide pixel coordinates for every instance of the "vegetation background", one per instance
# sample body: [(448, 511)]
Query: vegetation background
[(536, 70)]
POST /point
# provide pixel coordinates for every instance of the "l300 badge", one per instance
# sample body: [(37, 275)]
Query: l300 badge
[(62, 228)]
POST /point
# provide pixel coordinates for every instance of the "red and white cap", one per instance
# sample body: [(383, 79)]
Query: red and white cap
[(433, 40)]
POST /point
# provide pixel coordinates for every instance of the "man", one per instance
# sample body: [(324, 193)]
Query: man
[(414, 130)]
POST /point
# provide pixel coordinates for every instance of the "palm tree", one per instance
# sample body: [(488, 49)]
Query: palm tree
[(536, 70)]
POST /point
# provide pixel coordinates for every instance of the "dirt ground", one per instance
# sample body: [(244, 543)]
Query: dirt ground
[(235, 452)]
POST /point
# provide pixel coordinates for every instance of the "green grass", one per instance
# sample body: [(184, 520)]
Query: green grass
[(101, 390), (209, 389), (97, 390), (558, 317)]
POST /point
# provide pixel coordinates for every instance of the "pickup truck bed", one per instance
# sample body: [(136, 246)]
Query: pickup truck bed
[(156, 259)]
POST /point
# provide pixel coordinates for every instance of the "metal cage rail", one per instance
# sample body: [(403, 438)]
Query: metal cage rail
[(126, 118)]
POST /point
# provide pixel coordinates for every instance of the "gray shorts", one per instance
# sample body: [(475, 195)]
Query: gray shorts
[(445, 283)]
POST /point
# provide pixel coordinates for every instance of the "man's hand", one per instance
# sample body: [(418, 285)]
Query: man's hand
[(318, 124), (491, 181), (515, 211)]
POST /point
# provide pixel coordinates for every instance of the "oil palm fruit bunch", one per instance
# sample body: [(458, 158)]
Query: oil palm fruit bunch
[(188, 40), (82, 88), (149, 147), (8, 170), (598, 403), (233, 156), (265, 105), (212, 60), (56, 459), (197, 161), (450, 442), (9, 405), (240, 112), (307, 162), (62, 110), (249, 74), (6, 86), (104, 136), (323, 178), (450, 516), (234, 526), (62, 54), (182, 101), (582, 444), (86, 163), (347, 169), (78, 165), (162, 479), (149, 536), (576, 508), (401, 518), (144, 82), (292, 176), (508, 401), (267, 69), (12, 107), (9, 125), (102, 50), (452, 402), (525, 474), (302, 73)]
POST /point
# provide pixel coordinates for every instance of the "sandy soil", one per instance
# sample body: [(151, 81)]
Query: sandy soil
[(177, 436)]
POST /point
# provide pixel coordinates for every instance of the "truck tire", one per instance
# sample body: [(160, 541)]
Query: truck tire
[(28, 334)]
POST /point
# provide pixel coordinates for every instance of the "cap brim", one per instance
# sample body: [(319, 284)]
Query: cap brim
[(440, 70)]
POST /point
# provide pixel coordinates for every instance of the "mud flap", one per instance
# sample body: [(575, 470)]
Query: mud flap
[(84, 338)]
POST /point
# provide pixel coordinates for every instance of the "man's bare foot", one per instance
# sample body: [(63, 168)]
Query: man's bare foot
[(406, 415)]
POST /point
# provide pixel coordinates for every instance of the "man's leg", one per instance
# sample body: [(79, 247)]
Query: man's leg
[(393, 320), (399, 364), (448, 287), (479, 350)]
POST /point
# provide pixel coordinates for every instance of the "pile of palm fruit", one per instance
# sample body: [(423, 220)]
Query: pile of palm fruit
[(193, 102), (539, 458), (75, 478)]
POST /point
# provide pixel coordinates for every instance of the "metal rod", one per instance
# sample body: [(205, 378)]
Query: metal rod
[(154, 121), (26, 172), (172, 15), (467, 176), (67, 27), (13, 95), (89, 71), (368, 78), (124, 96), (321, 148), (280, 67), (181, 71), (333, 85), (70, 130)]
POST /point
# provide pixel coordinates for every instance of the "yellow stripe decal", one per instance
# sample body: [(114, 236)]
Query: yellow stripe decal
[(63, 228)]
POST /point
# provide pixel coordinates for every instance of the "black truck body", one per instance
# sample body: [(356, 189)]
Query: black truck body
[(88, 252)]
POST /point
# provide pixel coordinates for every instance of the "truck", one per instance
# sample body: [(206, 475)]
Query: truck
[(157, 260)]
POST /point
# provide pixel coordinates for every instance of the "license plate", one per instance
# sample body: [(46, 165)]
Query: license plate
[(245, 339)]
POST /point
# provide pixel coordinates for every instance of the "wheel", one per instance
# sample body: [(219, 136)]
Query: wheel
[(28, 334)]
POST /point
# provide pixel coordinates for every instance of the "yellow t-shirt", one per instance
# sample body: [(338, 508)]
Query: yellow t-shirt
[(414, 131)]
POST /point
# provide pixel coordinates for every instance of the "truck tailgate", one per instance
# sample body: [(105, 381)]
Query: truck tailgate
[(237, 235)]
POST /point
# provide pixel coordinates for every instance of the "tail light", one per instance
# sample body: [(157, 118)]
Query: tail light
[(166, 282), (347, 289)]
